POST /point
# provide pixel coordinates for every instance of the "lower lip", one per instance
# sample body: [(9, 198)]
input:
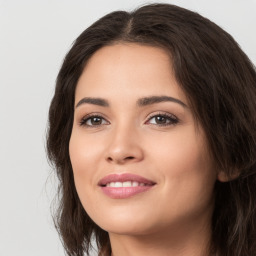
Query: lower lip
[(124, 192)]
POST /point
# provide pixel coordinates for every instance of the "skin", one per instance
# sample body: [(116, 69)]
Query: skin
[(172, 218)]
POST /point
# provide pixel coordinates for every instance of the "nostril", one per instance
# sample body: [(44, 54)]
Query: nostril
[(123, 155), (129, 157)]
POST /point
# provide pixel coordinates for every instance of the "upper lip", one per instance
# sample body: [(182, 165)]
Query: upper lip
[(124, 177)]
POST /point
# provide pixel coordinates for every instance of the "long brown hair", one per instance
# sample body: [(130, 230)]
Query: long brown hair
[(220, 83)]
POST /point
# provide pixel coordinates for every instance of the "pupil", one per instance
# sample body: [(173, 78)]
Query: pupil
[(160, 119), (96, 121)]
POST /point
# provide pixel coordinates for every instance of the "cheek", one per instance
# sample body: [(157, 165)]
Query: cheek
[(84, 154), (178, 150), (186, 169), (78, 155), (83, 161)]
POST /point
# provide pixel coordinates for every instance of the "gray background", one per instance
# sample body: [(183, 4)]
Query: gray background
[(34, 37)]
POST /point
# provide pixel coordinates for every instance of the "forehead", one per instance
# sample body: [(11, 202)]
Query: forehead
[(131, 69), (130, 52)]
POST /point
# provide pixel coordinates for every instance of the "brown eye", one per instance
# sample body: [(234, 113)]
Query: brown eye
[(163, 120), (93, 121)]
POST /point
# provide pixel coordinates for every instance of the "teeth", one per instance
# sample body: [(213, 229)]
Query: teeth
[(127, 184), (135, 184), (118, 184), (124, 184)]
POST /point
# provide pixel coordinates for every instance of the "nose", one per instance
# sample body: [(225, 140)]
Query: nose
[(124, 146)]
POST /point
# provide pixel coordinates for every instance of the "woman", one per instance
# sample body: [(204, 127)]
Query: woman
[(152, 133)]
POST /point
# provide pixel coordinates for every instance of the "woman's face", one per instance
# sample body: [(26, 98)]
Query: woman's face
[(140, 162)]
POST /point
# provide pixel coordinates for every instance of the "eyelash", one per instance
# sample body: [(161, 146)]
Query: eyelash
[(172, 120)]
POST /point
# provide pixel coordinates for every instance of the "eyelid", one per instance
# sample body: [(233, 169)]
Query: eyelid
[(86, 117), (161, 113), (173, 120), (173, 117)]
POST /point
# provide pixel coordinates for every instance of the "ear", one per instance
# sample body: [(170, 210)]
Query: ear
[(224, 177)]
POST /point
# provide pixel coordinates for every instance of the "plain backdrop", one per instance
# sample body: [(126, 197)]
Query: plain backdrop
[(34, 37)]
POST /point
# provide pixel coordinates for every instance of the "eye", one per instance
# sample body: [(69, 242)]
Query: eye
[(93, 121), (163, 119)]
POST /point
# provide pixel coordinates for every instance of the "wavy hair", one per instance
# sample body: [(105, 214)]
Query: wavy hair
[(220, 83)]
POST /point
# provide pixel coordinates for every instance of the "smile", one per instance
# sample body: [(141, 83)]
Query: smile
[(125, 184), (121, 186)]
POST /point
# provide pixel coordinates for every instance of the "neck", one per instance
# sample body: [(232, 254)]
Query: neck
[(173, 241)]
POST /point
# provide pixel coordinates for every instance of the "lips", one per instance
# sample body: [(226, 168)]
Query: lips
[(120, 186)]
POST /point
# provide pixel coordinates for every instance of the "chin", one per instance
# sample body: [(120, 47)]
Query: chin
[(127, 223), (131, 229)]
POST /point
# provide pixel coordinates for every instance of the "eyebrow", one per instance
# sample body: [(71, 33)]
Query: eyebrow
[(140, 102)]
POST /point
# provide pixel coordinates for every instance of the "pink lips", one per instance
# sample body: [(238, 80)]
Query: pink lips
[(124, 192)]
